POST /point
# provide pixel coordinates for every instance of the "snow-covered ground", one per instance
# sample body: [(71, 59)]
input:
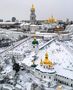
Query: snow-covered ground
[(2, 49), (69, 45), (7, 34), (58, 53), (26, 47)]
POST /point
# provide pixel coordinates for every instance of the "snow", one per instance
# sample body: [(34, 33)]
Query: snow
[(2, 49), (29, 86), (7, 70), (29, 58), (63, 72), (18, 86), (7, 86), (69, 45), (7, 23), (25, 48), (13, 35), (58, 54)]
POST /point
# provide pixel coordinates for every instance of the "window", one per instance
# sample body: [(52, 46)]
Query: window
[(71, 85), (32, 18), (49, 77), (44, 76)]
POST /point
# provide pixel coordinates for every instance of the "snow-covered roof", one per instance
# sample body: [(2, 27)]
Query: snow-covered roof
[(28, 60), (7, 86), (45, 70), (8, 23), (64, 72)]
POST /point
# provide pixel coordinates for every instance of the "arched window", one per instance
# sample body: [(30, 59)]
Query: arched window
[(49, 77), (71, 85), (44, 76)]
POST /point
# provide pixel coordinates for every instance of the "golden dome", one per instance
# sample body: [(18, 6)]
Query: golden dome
[(46, 61), (33, 7), (52, 20)]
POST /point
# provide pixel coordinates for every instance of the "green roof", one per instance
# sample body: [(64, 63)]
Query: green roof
[(34, 65), (34, 41)]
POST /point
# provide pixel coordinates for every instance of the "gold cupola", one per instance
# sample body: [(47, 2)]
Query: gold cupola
[(46, 61), (33, 7), (52, 20)]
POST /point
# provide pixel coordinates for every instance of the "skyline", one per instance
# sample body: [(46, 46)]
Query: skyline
[(60, 9)]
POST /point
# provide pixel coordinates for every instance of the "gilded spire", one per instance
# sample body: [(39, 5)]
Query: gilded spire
[(41, 62), (33, 7), (46, 55)]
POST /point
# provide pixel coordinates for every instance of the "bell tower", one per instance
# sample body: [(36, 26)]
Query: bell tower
[(32, 15)]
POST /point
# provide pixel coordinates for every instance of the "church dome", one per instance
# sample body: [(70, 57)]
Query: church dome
[(46, 61), (33, 7), (52, 20)]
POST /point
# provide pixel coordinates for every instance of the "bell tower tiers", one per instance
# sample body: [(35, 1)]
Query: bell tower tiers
[(32, 15)]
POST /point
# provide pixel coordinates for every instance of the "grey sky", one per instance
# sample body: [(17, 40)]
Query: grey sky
[(60, 9)]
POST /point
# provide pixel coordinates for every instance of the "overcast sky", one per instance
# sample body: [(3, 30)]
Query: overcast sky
[(60, 9)]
